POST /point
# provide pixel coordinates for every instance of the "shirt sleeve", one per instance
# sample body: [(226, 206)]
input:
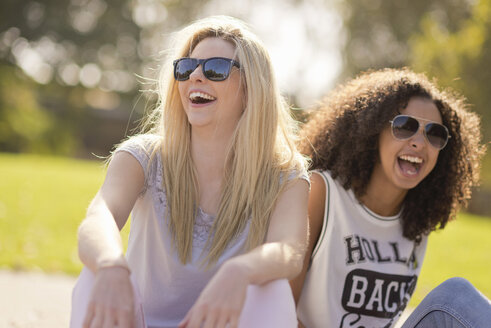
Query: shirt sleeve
[(304, 175), (143, 148)]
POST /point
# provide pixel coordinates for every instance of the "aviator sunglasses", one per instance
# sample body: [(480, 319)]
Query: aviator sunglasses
[(214, 68), (405, 126)]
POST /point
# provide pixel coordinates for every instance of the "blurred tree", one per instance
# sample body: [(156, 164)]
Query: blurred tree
[(84, 55), (24, 124), (95, 43), (459, 58), (378, 31)]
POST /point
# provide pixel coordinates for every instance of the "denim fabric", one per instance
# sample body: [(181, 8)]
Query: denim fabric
[(455, 303)]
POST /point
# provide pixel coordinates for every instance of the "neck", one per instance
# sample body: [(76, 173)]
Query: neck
[(209, 156), (383, 200)]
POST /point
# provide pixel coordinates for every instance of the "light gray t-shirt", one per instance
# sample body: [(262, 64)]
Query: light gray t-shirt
[(168, 288)]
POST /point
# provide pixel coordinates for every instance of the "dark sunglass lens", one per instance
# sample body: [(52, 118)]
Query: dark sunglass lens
[(404, 127), (184, 68), (437, 134), (217, 69)]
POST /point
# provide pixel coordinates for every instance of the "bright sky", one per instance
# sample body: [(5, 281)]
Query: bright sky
[(304, 41)]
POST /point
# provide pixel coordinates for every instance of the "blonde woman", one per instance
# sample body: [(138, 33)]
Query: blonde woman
[(218, 195)]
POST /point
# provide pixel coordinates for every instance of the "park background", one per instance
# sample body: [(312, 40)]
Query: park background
[(76, 76)]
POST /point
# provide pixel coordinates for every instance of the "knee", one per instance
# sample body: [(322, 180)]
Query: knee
[(452, 291), (457, 282), (455, 285), (274, 290), (269, 305)]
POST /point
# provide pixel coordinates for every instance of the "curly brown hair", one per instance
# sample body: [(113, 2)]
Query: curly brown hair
[(342, 137)]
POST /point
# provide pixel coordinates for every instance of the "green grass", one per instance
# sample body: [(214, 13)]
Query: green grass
[(43, 199), (461, 249)]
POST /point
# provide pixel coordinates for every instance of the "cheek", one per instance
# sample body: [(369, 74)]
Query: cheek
[(236, 88), (433, 156), (180, 89), (235, 99), (386, 145)]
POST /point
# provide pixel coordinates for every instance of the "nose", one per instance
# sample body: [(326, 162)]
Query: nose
[(197, 74), (418, 139)]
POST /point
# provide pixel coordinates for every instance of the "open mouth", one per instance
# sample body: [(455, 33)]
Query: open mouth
[(410, 165), (200, 98)]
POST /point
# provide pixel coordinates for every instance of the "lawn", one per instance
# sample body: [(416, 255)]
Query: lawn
[(462, 249), (43, 199)]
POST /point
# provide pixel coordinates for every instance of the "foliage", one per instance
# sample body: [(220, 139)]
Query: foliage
[(113, 37), (459, 59), (85, 56), (25, 126), (378, 31)]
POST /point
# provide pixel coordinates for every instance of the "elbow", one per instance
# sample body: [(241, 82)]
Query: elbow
[(295, 260), (86, 239), (81, 236), (296, 268)]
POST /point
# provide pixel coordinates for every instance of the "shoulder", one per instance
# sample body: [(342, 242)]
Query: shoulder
[(293, 176), (142, 143), (317, 201), (142, 147)]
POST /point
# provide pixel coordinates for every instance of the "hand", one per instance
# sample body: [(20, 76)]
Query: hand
[(111, 302), (220, 303)]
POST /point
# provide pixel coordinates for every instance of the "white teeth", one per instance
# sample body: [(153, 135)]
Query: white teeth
[(195, 95), (411, 159)]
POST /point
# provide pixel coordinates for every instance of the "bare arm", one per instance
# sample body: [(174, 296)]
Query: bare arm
[(99, 242), (282, 254), (280, 257), (316, 215), (100, 246)]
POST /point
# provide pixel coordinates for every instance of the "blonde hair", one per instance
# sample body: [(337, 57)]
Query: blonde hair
[(262, 151)]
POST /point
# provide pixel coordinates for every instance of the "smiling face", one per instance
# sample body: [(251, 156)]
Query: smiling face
[(208, 104), (403, 164)]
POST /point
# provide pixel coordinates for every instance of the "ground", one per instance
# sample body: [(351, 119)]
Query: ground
[(33, 299)]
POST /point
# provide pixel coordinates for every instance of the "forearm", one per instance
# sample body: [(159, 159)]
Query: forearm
[(270, 261), (99, 241), (286, 241)]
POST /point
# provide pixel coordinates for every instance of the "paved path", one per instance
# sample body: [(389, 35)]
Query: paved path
[(31, 299), (37, 300)]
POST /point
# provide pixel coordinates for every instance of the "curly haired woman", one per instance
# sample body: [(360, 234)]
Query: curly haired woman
[(395, 159)]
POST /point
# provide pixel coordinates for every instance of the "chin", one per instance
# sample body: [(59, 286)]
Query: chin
[(408, 184), (198, 120)]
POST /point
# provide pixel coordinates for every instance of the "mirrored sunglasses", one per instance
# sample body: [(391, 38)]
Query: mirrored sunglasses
[(214, 68), (405, 126)]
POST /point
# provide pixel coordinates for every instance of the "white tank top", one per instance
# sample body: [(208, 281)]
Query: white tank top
[(363, 271)]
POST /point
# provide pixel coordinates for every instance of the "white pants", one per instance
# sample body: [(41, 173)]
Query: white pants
[(268, 305)]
